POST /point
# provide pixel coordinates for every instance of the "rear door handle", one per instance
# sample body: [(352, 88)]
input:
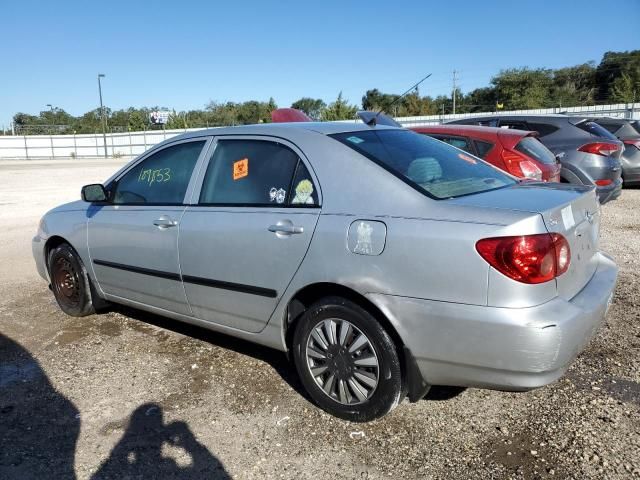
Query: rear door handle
[(285, 227), (164, 222)]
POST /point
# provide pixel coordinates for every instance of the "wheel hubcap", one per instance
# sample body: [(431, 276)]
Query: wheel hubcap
[(342, 361)]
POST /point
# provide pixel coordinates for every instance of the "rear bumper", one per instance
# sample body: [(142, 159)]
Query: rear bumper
[(631, 176), (500, 348)]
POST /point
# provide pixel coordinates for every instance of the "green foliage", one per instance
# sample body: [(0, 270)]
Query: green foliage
[(313, 107), (339, 110), (618, 76), (523, 88)]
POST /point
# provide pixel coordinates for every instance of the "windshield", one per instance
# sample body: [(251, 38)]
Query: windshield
[(532, 147), (430, 166)]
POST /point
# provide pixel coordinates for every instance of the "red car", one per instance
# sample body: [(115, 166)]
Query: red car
[(517, 152)]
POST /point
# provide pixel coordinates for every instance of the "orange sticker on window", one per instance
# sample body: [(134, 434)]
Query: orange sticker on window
[(467, 158), (240, 169)]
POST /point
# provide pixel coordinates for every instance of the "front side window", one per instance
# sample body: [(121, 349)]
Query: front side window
[(162, 178), (428, 165), (256, 172)]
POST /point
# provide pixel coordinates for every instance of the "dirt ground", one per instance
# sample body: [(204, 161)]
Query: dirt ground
[(127, 394)]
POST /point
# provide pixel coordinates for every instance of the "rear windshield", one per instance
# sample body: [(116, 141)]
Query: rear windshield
[(532, 147), (621, 130), (430, 166), (594, 129)]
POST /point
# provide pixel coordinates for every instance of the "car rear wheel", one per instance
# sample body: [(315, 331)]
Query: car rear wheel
[(70, 282), (347, 361)]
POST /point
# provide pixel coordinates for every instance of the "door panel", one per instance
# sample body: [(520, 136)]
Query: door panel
[(242, 244), (133, 240), (234, 268), (124, 242)]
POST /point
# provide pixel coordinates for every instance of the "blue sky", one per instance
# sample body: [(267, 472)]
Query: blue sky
[(184, 54)]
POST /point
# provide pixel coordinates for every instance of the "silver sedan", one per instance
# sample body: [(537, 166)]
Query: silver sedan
[(382, 260)]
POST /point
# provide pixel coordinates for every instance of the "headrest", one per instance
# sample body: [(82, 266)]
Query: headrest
[(424, 170)]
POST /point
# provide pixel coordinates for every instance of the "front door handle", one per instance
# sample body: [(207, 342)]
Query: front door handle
[(286, 227), (164, 222)]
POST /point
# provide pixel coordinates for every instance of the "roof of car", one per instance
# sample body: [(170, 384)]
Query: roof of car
[(326, 128), (475, 131)]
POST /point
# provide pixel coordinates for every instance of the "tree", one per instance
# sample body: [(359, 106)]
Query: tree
[(574, 85), (137, 121), (523, 88), (480, 100), (339, 110), (313, 107), (611, 68), (626, 88)]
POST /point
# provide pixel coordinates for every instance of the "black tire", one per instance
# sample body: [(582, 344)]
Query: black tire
[(70, 282), (389, 389)]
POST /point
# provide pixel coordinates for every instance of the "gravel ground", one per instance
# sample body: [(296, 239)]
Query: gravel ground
[(131, 395)]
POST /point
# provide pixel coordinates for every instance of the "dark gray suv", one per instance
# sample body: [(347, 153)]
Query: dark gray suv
[(629, 133), (589, 154)]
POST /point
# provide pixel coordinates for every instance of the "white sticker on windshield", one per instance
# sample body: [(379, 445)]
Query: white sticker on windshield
[(567, 217)]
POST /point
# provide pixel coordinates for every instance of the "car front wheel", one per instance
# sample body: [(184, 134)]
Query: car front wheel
[(70, 282), (347, 361)]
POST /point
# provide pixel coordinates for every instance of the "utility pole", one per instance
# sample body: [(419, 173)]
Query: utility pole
[(454, 91), (104, 125)]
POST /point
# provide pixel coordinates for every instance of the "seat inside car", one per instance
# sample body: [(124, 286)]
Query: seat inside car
[(424, 170)]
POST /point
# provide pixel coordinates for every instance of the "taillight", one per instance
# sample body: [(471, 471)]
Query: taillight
[(519, 166), (527, 258), (604, 182), (635, 143), (600, 148)]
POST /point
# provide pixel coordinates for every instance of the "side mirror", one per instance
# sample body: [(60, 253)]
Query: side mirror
[(94, 193)]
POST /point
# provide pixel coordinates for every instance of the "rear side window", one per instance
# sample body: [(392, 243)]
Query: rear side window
[(610, 127), (624, 130), (532, 148), (543, 129), (256, 172), (162, 178), (483, 148), (596, 130), (458, 142), (513, 124), (428, 165)]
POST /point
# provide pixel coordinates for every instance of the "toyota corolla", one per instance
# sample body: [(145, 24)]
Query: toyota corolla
[(381, 260)]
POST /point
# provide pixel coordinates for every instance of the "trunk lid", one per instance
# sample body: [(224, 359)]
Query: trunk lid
[(573, 211)]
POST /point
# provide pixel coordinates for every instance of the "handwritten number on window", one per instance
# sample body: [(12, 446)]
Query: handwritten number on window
[(159, 175)]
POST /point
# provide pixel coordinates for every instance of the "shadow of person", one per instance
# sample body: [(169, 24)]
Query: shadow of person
[(142, 452), (39, 427)]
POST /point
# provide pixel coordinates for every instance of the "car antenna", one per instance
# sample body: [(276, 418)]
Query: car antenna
[(372, 121)]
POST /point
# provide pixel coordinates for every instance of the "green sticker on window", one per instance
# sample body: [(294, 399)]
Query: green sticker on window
[(355, 139)]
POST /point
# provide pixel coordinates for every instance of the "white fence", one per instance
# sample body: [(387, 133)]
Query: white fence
[(134, 143), (85, 146)]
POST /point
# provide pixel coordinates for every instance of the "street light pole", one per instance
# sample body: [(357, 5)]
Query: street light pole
[(104, 125), (50, 106)]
